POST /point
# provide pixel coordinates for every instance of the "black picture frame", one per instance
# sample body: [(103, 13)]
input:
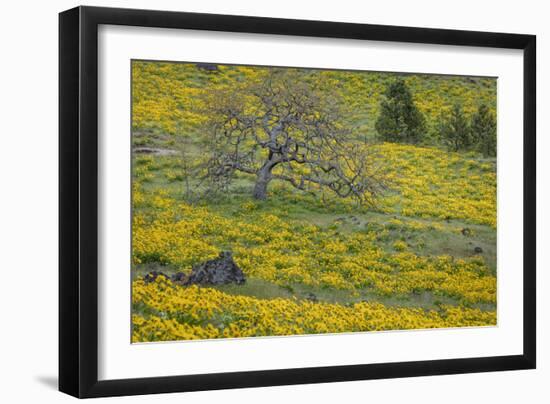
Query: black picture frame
[(78, 201)]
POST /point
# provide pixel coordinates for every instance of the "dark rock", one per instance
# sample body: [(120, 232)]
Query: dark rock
[(218, 271), (209, 67), (466, 231), (312, 297), (478, 250), (152, 276)]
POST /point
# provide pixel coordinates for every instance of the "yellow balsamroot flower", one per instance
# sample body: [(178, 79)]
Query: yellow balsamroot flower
[(181, 313)]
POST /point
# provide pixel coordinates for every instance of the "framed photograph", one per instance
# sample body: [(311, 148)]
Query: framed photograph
[(251, 201)]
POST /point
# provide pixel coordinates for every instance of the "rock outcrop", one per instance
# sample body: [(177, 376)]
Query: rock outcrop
[(218, 271)]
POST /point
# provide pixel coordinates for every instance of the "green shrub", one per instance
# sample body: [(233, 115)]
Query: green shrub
[(484, 130), (455, 130), (399, 120)]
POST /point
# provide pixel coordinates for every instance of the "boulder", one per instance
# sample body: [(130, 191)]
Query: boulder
[(218, 271), (312, 297)]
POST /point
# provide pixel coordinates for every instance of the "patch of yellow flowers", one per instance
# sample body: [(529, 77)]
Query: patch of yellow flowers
[(425, 183), (285, 252), (432, 183), (429, 183), (167, 96), (181, 313)]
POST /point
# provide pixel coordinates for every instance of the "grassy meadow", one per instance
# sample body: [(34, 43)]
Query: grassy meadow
[(423, 256)]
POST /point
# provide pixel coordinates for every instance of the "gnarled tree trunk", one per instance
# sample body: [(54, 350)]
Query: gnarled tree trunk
[(262, 181)]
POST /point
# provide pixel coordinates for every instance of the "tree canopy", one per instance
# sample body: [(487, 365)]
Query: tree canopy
[(455, 131), (484, 128), (399, 119)]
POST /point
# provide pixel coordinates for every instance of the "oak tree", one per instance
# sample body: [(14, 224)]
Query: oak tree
[(288, 126)]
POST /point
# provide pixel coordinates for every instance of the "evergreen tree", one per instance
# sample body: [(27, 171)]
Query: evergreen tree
[(399, 119), (455, 130), (484, 130)]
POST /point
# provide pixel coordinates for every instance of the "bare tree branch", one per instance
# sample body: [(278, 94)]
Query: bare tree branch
[(288, 128)]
